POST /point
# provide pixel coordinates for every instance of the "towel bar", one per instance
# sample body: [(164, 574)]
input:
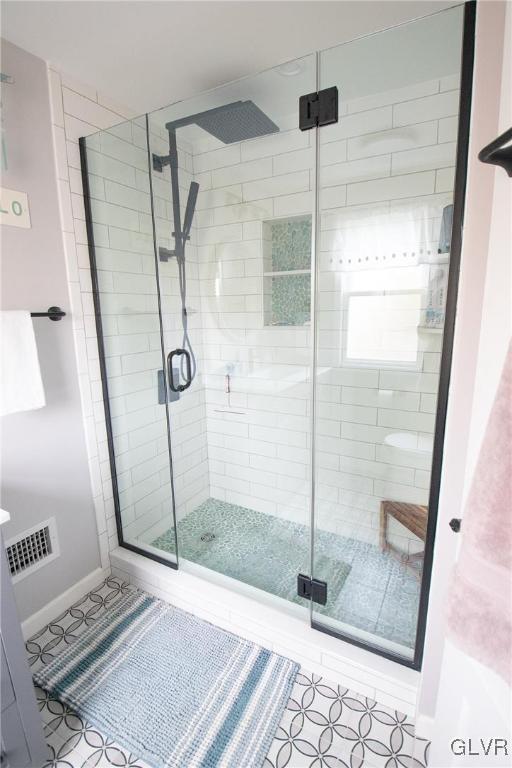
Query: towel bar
[(53, 313)]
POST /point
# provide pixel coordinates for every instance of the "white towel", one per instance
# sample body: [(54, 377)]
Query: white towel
[(21, 387)]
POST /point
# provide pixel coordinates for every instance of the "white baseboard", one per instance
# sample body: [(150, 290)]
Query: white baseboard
[(61, 603), (425, 727)]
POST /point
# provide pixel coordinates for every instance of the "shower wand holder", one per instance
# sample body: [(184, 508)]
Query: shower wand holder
[(164, 254), (160, 161)]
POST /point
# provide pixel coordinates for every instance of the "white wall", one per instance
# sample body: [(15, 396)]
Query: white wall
[(78, 110), (44, 458), (480, 700), (458, 696)]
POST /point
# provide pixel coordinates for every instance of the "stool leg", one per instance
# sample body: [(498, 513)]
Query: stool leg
[(383, 527)]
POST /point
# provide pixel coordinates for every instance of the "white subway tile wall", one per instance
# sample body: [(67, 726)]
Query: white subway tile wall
[(129, 301), (386, 172), (381, 168)]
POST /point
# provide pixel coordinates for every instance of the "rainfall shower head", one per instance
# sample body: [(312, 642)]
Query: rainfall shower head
[(230, 123)]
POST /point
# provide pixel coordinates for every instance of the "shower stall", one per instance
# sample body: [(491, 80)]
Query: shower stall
[(274, 267)]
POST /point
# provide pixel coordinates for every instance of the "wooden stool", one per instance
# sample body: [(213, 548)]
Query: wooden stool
[(414, 517)]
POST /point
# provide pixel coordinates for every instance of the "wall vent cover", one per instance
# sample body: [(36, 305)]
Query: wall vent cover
[(32, 549)]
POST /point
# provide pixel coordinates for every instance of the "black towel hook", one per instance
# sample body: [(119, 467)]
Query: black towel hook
[(496, 153)]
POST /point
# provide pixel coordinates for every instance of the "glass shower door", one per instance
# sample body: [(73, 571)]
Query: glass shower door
[(128, 324), (233, 198), (386, 173)]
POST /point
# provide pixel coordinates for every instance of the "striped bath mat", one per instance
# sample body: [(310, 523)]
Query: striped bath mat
[(173, 689)]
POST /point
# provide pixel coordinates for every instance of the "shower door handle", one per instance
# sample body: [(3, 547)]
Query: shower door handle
[(170, 370)]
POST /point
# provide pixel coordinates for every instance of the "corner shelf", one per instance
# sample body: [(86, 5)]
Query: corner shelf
[(427, 329), (285, 272)]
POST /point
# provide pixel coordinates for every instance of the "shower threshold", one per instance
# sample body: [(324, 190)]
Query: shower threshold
[(367, 589)]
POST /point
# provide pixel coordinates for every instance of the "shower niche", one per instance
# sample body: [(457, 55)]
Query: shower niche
[(287, 264), (286, 245)]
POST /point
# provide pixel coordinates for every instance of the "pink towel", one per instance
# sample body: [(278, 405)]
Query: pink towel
[(480, 607)]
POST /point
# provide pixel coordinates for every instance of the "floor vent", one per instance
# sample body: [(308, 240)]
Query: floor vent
[(32, 549)]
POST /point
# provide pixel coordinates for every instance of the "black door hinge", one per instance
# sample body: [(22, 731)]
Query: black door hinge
[(317, 109), (312, 589)]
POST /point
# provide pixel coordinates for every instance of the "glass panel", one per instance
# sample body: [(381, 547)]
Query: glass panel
[(385, 199), (117, 162), (240, 264)]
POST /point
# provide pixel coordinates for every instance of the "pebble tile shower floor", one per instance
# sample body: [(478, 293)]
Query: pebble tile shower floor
[(324, 725), (367, 589)]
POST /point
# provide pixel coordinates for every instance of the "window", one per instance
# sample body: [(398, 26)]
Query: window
[(383, 327)]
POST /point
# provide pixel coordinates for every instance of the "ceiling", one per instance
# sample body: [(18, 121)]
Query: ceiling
[(147, 54)]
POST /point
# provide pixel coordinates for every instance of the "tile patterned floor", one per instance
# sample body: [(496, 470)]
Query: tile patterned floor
[(264, 551), (367, 589), (324, 725)]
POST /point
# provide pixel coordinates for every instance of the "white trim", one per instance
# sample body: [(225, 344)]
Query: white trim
[(425, 727), (40, 618), (362, 671)]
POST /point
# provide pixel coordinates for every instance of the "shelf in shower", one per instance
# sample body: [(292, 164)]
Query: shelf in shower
[(286, 272)]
